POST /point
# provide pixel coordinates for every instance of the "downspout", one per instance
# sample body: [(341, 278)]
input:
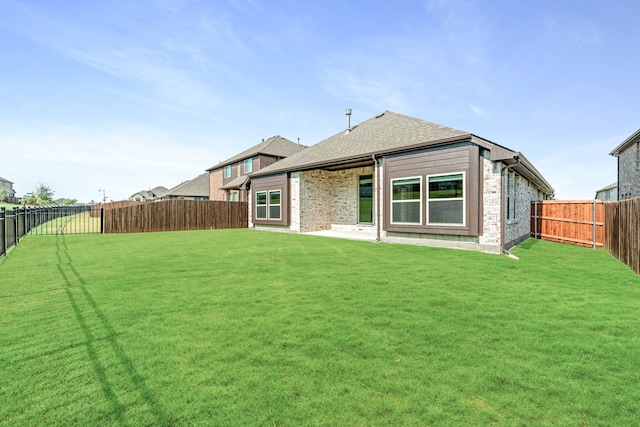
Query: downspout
[(376, 206), (502, 211)]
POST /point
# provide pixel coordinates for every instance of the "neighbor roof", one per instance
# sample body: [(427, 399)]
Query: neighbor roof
[(388, 133), (5, 180), (626, 144), (275, 146), (198, 187)]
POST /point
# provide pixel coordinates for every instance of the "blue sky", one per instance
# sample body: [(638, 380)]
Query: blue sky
[(129, 95)]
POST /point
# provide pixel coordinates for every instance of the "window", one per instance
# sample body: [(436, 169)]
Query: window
[(511, 199), (248, 166), (261, 205), (274, 204), (365, 199), (227, 171), (446, 203), (233, 196), (406, 201), (268, 207)]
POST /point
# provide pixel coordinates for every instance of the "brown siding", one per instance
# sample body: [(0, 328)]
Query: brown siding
[(459, 158), (234, 174), (276, 182)]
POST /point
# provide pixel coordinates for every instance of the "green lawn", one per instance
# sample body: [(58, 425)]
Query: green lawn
[(239, 327)]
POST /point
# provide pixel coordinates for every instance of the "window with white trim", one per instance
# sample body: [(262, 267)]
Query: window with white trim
[(274, 205), (261, 205), (227, 171), (269, 205), (511, 195), (248, 166), (446, 199), (406, 200)]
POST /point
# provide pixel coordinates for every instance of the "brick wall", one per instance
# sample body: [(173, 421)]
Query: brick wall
[(215, 182)]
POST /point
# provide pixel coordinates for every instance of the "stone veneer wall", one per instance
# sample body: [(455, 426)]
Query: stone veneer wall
[(491, 208), (518, 229), (315, 201), (629, 172)]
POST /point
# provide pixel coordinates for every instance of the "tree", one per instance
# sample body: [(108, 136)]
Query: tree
[(43, 194), (67, 202), (3, 193)]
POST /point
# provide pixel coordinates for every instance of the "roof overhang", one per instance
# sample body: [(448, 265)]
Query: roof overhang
[(626, 144)]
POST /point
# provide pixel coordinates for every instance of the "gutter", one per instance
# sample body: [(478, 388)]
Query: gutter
[(377, 203)]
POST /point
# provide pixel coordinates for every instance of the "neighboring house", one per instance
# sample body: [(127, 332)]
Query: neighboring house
[(7, 185), (194, 189), (608, 193), (396, 178), (628, 154), (149, 195), (228, 179)]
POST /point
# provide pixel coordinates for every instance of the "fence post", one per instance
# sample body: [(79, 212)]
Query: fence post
[(102, 219), (3, 231), (594, 224), (535, 219)]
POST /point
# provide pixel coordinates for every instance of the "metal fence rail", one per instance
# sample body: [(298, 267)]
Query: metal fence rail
[(17, 222)]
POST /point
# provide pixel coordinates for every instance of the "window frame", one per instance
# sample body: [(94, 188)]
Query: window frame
[(372, 198), (463, 198), (249, 162), (227, 171), (420, 199), (279, 205), (266, 205)]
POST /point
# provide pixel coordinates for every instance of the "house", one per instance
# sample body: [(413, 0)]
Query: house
[(194, 189), (608, 193), (228, 179), (6, 189), (149, 195), (628, 154), (395, 178)]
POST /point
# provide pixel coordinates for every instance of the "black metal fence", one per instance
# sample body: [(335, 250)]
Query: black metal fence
[(19, 221)]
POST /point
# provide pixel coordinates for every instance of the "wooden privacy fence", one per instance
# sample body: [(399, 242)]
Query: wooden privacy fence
[(175, 215), (622, 240), (578, 222), (95, 209)]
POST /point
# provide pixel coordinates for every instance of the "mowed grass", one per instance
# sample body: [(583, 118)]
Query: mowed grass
[(240, 327)]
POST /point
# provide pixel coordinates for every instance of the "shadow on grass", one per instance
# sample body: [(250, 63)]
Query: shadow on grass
[(125, 362), (528, 244)]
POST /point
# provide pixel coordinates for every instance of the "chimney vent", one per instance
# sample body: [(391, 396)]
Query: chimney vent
[(348, 113)]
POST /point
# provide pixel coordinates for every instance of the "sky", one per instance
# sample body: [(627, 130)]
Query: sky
[(124, 95)]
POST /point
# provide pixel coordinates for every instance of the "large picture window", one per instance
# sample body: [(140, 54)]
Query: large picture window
[(446, 202), (406, 201), (269, 205)]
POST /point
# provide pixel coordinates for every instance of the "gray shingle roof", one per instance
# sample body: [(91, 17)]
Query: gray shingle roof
[(387, 133), (276, 146), (381, 134), (197, 187)]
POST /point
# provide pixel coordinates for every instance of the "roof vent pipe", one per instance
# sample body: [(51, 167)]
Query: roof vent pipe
[(348, 113)]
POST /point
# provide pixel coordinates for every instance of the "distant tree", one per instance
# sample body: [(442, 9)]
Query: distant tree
[(70, 202), (43, 194), (4, 193)]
